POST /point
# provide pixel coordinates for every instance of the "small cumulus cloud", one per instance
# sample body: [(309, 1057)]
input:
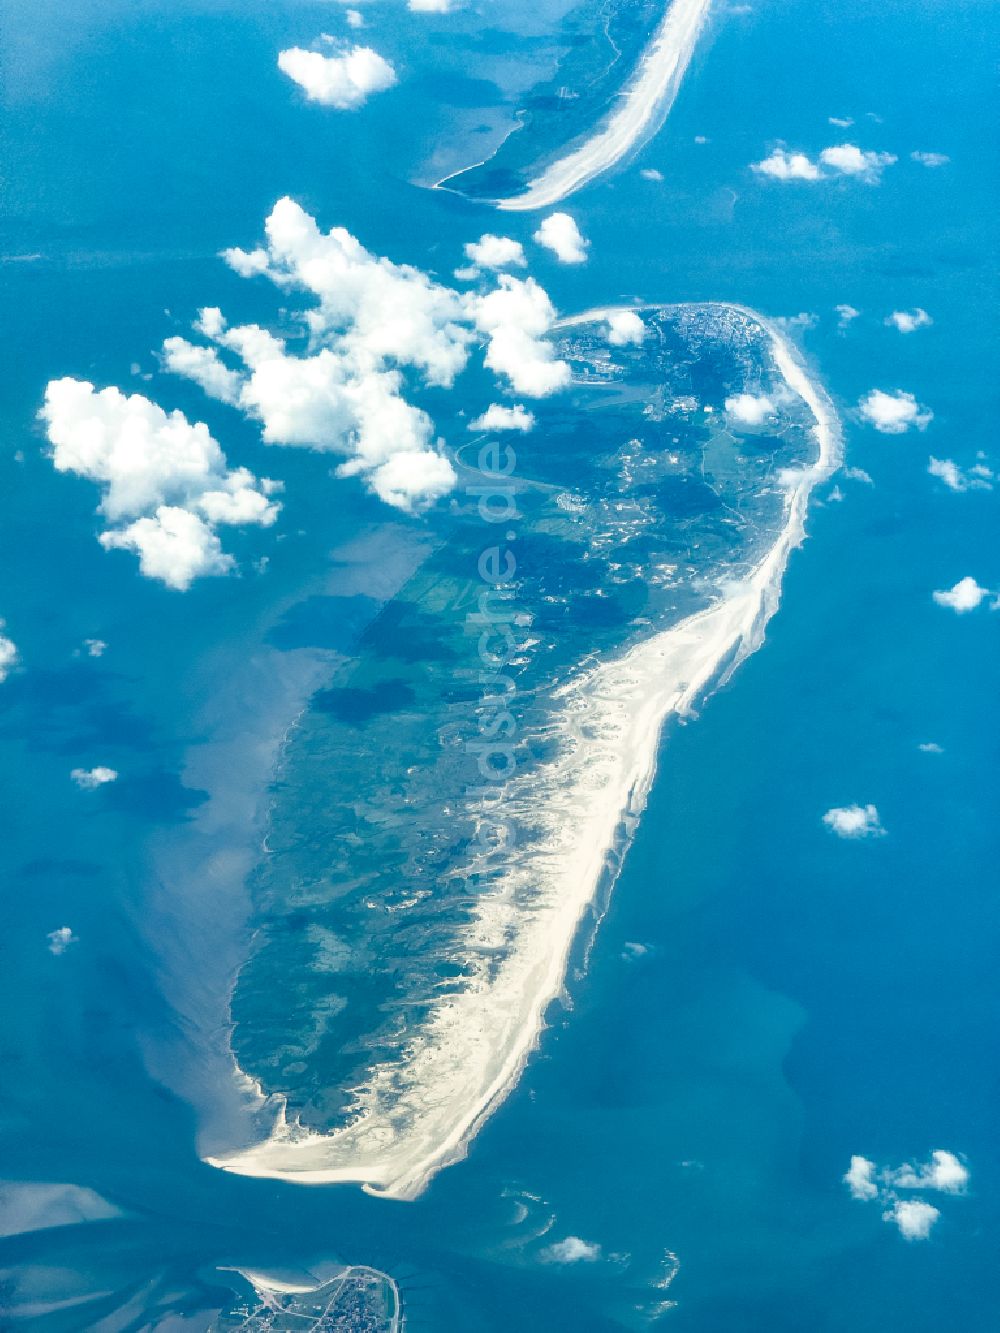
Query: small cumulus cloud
[(354, 17), (560, 234), (625, 329), (930, 159), (913, 1217), (89, 779), (432, 6), (651, 174), (839, 160), (944, 1172), (979, 477), (947, 471), (95, 647), (515, 317), (860, 1178), (858, 474), (345, 80), (805, 319), (572, 1250), (966, 595), (847, 159), (748, 409), (854, 821), (846, 315), (60, 940), (496, 252), (841, 122), (499, 417), (163, 472), (908, 321), (8, 654), (784, 166), (930, 747), (894, 413)]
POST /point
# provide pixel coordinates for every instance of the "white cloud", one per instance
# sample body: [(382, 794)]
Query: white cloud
[(369, 308), (848, 159), (8, 654), (914, 1217), (560, 234), (785, 166), (747, 409), (572, 1250), (854, 821), (842, 122), (344, 81), (966, 595), (894, 413), (803, 320), (651, 174), (516, 316), (140, 454), (979, 477), (844, 159), (157, 468), (354, 17), (845, 315), (625, 328), (60, 940), (908, 321), (89, 779), (411, 478), (346, 395), (496, 252), (947, 471), (498, 417), (202, 365), (930, 747), (373, 320), (432, 6), (944, 1172), (95, 647), (860, 1178), (858, 474), (174, 546), (930, 159)]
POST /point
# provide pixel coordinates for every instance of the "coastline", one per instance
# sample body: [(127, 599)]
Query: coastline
[(645, 104), (591, 796)]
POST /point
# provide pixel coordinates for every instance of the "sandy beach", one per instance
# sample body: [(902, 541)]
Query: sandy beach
[(644, 104)]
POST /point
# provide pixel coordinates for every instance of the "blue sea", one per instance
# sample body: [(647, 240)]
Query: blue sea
[(752, 1001)]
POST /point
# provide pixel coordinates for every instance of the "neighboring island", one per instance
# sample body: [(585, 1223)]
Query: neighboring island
[(356, 1300), (555, 149)]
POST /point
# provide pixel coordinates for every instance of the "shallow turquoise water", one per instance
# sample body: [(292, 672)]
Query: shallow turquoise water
[(802, 999)]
